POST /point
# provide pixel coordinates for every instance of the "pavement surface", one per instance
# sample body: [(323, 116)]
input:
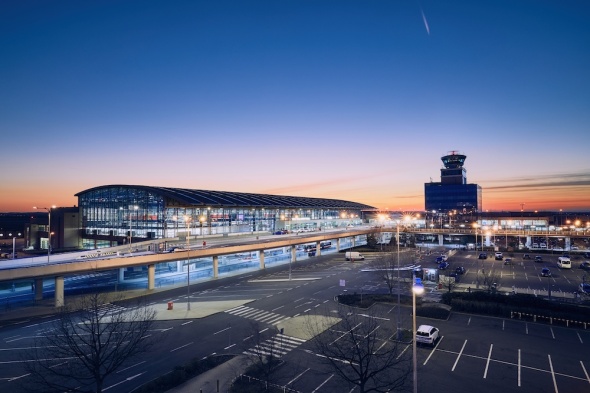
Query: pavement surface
[(216, 380)]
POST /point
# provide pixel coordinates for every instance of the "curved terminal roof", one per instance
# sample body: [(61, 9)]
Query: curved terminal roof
[(185, 196)]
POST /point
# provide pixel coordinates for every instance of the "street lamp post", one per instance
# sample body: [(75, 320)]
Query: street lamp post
[(417, 289), (202, 220), (14, 246), (398, 286), (48, 227), (188, 265)]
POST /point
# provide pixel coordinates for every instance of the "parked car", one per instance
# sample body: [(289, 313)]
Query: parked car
[(439, 260), (586, 255), (444, 258), (498, 256), (443, 265), (538, 258), (483, 255), (427, 334), (585, 265), (460, 270), (584, 288), (545, 272), (508, 261), (526, 256)]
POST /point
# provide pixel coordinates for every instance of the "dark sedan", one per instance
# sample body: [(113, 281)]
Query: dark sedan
[(443, 266), (585, 265)]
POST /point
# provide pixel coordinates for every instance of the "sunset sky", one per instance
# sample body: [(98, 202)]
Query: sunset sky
[(354, 100)]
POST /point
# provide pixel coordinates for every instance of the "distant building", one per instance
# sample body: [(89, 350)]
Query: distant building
[(453, 193)]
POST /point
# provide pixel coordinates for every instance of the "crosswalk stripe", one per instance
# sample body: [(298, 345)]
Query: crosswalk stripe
[(278, 345)]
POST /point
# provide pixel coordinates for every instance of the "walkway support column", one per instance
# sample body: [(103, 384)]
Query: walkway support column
[(151, 276), (293, 254), (38, 289), (338, 245), (121, 275), (441, 240), (215, 266), (318, 249), (59, 292), (261, 253)]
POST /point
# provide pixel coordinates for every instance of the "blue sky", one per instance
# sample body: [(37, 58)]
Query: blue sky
[(354, 100)]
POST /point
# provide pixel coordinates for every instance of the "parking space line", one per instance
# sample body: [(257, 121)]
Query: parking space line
[(459, 356), (402, 352), (581, 342), (433, 349), (552, 334), (323, 383), (519, 368), (585, 372), (485, 374), (297, 377), (552, 373)]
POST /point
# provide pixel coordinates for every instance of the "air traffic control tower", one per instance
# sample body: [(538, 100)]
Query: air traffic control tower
[(453, 192)]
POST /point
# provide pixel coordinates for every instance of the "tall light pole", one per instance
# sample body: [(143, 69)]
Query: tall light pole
[(188, 266), (135, 207), (13, 245), (417, 289), (398, 285), (48, 227), (202, 220), (475, 226)]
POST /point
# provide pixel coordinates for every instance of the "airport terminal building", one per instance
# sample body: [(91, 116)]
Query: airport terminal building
[(115, 214)]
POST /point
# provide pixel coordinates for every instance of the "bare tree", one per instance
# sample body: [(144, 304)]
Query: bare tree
[(264, 349), (88, 342), (360, 349), (386, 268)]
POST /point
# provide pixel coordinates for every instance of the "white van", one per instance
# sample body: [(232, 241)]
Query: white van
[(564, 263), (354, 256)]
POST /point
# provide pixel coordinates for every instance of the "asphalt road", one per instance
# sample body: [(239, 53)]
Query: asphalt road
[(487, 354)]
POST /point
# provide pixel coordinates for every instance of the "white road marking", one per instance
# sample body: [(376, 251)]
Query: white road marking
[(459, 356), (485, 374), (552, 374)]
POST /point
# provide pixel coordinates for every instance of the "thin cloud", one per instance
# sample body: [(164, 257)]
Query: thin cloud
[(552, 181), (425, 21)]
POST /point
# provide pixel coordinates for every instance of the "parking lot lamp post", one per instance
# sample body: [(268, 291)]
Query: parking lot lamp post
[(48, 227), (417, 289), (14, 246), (188, 266), (398, 284), (202, 220), (130, 223)]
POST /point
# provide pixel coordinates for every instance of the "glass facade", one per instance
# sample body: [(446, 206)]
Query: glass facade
[(447, 197), (117, 214)]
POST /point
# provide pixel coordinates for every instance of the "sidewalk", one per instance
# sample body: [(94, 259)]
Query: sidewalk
[(218, 379)]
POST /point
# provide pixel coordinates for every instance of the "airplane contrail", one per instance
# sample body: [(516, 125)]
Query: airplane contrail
[(425, 21)]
